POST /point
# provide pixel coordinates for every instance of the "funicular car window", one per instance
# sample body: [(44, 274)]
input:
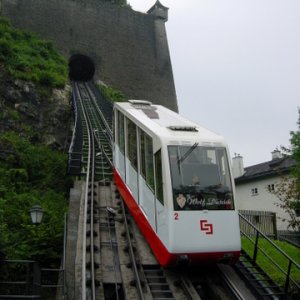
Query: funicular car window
[(158, 178), (132, 143), (120, 132), (200, 178), (146, 149)]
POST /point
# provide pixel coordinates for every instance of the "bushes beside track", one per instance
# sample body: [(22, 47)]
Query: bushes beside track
[(27, 57), (31, 175)]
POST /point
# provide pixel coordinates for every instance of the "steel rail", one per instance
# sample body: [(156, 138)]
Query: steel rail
[(107, 128), (101, 105), (92, 185), (114, 258), (102, 134), (132, 256), (100, 146), (104, 152), (92, 114), (88, 182), (231, 286), (188, 290), (97, 112)]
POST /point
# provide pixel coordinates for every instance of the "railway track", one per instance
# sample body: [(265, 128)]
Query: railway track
[(116, 261), (88, 283)]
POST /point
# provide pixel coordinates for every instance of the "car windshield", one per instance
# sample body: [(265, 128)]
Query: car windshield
[(200, 178)]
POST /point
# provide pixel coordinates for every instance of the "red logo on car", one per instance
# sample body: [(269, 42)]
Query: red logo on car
[(206, 227)]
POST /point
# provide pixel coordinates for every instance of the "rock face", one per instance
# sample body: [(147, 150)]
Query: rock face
[(27, 107)]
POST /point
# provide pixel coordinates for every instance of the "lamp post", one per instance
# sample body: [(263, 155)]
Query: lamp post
[(36, 214)]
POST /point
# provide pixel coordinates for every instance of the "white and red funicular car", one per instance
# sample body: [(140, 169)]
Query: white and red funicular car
[(176, 180)]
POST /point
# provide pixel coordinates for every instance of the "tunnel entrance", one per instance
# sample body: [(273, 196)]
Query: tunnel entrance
[(81, 68)]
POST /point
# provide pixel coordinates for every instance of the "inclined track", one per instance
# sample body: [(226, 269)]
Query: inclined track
[(88, 274), (116, 261)]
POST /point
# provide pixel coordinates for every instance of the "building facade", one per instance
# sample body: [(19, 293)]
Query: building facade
[(255, 185)]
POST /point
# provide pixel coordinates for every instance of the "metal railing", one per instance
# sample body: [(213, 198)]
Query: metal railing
[(25, 279), (19, 277), (256, 238), (292, 237), (75, 149)]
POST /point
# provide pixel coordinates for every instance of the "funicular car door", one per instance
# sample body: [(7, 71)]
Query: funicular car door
[(146, 178)]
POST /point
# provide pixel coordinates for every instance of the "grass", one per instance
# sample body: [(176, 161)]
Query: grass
[(268, 250), (27, 57)]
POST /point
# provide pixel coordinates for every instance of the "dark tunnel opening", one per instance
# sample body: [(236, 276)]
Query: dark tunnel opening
[(81, 68)]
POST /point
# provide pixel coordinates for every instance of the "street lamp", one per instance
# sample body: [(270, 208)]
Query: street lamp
[(36, 214)]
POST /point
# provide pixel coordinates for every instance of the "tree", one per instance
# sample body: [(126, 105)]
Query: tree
[(295, 151), (288, 189), (32, 174), (289, 195)]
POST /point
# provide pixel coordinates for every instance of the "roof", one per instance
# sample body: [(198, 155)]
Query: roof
[(275, 167), (162, 121)]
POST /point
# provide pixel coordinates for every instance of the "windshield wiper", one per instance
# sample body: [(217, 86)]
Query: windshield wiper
[(187, 153)]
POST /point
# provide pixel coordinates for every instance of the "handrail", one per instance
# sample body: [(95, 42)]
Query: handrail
[(75, 148), (291, 262), (30, 281), (75, 122)]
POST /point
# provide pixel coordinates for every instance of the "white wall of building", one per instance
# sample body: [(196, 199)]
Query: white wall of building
[(263, 200)]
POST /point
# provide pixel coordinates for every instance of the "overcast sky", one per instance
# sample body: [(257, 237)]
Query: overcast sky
[(236, 66)]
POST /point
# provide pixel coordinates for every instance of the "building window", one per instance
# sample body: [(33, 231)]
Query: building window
[(271, 187), (254, 191)]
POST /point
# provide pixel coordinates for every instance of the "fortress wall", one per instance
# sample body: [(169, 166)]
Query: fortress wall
[(126, 46)]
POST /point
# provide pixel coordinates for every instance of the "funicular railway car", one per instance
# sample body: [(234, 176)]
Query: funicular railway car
[(176, 180)]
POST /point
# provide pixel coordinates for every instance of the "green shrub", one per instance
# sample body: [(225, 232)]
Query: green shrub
[(6, 50), (112, 94), (33, 174), (14, 115), (29, 58), (46, 78)]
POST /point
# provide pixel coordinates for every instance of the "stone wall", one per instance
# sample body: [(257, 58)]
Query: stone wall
[(129, 49)]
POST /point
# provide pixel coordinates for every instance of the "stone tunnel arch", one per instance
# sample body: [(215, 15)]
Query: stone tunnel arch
[(81, 68)]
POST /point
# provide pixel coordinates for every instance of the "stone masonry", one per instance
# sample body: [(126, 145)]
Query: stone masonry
[(129, 49)]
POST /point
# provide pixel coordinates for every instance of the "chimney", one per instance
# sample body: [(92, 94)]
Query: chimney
[(276, 154), (237, 165)]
